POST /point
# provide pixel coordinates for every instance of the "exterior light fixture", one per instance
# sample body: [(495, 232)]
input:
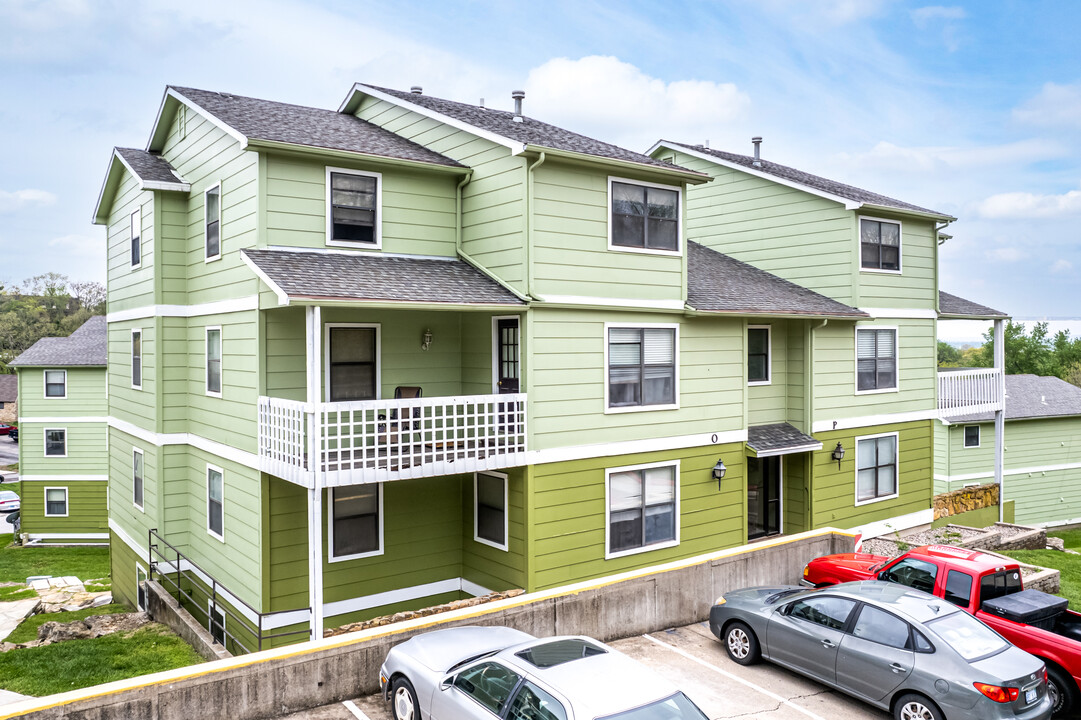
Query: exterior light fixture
[(718, 472), (838, 454), (426, 342)]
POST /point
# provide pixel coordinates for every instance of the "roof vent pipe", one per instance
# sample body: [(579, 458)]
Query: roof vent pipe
[(417, 90), (757, 141), (518, 96)]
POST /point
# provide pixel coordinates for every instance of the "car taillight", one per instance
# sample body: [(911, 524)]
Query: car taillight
[(997, 693)]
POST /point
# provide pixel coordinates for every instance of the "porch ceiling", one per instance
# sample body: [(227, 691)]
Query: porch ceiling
[(779, 439)]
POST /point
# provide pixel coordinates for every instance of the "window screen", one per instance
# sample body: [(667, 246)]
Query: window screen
[(353, 207), (641, 366), (876, 359), (356, 519)]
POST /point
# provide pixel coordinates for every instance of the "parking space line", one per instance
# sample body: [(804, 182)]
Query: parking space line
[(748, 683), (352, 707)]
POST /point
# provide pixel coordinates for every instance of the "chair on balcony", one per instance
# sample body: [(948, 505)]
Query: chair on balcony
[(389, 432)]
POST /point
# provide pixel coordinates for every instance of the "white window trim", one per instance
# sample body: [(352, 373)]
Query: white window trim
[(900, 245), (641, 408), (680, 243), (131, 354), (896, 359), (979, 437), (608, 510), (495, 350), (212, 258), (45, 384), (136, 451), (131, 223), (769, 355), (377, 230), (45, 442), (206, 488), (140, 570), (206, 360), (331, 557), (505, 547), (67, 506), (378, 356), (897, 469)]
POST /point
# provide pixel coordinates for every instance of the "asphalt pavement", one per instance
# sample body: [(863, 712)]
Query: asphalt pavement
[(9, 451)]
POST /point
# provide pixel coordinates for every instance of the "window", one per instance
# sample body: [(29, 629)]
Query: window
[(489, 683), (56, 383), (999, 584), (758, 350), (967, 635), (352, 362), (533, 703), (137, 477), (643, 508), (356, 515), (212, 221), (831, 612), (490, 509), (876, 468), (137, 359), (958, 588), (641, 367), (140, 587), (913, 573), (880, 245), (213, 361), (217, 624), (972, 436), (881, 627), (56, 442), (354, 202), (56, 502), (136, 237), (644, 217), (215, 520), (876, 359)]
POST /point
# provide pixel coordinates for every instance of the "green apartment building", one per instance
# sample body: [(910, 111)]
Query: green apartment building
[(63, 438), (460, 350)]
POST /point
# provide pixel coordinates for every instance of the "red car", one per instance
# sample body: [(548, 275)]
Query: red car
[(989, 587), (5, 429)]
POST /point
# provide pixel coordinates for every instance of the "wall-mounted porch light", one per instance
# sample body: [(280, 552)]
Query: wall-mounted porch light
[(426, 342), (838, 454), (718, 472)]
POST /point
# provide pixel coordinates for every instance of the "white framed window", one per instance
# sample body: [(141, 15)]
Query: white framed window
[(212, 222), (876, 360), (140, 586), (216, 621), (641, 508), (56, 384), (56, 442), (136, 238), (972, 436), (137, 359), (137, 481), (490, 525), (213, 361), (215, 502), (641, 365), (880, 245), (56, 502), (352, 361), (354, 208), (876, 468), (759, 354), (355, 522), (644, 217)]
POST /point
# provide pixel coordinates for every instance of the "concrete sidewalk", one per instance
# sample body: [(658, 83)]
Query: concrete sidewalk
[(14, 612)]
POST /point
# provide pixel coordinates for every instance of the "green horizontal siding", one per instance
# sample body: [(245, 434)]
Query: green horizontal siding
[(122, 561), (916, 285), (87, 452), (135, 522), (130, 287), (85, 393), (125, 402), (87, 512), (485, 565), (769, 403)]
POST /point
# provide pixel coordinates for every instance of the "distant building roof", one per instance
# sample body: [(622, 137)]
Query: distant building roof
[(951, 306), (719, 283), (9, 388), (1034, 396), (779, 439), (152, 171), (85, 346)]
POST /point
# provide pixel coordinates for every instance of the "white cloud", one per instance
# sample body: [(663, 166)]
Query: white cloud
[(80, 246), (1061, 266), (1007, 254), (1055, 105), (12, 201), (887, 157), (1029, 205), (924, 15)]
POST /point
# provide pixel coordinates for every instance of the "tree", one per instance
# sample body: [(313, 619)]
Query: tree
[(45, 305), (948, 355), (1073, 374), (1033, 353)]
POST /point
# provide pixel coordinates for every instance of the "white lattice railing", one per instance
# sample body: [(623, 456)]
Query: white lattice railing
[(380, 440), (968, 392)]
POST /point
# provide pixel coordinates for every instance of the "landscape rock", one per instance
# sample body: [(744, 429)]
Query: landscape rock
[(1054, 543), (102, 599), (91, 627), (424, 612)]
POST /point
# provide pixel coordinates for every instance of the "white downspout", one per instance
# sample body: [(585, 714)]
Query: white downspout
[(313, 327), (1000, 416)]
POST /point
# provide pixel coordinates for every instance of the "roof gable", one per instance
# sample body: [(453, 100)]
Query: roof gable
[(150, 171)]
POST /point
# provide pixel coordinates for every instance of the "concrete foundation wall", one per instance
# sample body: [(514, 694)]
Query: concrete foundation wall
[(287, 680), (163, 607)]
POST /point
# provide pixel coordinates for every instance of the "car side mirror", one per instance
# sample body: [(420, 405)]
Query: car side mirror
[(884, 576), (447, 682)]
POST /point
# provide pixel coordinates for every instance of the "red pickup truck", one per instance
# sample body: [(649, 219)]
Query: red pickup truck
[(989, 587)]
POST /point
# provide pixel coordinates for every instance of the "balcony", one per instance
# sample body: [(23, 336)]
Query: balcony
[(969, 392), (382, 440)]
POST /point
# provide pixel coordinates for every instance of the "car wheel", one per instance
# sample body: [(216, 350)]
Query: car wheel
[(741, 644), (1060, 688), (916, 707), (404, 700)]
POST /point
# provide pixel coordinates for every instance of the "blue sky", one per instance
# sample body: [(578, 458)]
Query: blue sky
[(973, 109)]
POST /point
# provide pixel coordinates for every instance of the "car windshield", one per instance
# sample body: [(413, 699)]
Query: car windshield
[(8, 495), (968, 636), (676, 707)]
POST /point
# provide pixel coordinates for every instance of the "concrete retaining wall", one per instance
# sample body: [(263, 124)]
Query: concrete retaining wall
[(286, 680), (163, 607)]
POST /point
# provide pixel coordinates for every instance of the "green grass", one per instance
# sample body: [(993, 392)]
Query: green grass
[(81, 663), (1068, 564), (18, 563), (16, 592), (28, 628)]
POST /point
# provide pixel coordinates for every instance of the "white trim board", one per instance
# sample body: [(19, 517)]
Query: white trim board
[(582, 452), (868, 420), (901, 522), (283, 297), (241, 457), (218, 307), (899, 313), (180, 185), (68, 536), (631, 303), (63, 478), (65, 420)]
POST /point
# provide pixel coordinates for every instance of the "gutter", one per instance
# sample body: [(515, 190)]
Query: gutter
[(689, 311), (690, 176), (309, 150)]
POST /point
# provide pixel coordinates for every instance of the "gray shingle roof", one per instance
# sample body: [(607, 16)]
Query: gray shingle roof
[(85, 346), (150, 168), (314, 127), (9, 388), (779, 439), (719, 283), (1034, 396), (959, 307), (530, 131), (379, 278), (849, 192)]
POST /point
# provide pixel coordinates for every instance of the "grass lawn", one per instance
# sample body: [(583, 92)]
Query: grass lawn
[(1068, 564), (81, 663), (16, 592), (18, 563), (28, 628)]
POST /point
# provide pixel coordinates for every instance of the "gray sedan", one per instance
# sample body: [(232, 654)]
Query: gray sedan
[(481, 673), (898, 649)]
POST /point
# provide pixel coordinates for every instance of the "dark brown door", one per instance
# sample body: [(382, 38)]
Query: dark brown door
[(507, 355), (763, 497)]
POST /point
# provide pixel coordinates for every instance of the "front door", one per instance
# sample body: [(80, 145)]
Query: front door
[(763, 497), (507, 364)]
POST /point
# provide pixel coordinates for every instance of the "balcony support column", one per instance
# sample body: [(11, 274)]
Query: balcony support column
[(1000, 415), (313, 334)]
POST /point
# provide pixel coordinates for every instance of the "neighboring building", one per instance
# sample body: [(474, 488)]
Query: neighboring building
[(462, 350), (1042, 450), (63, 437), (9, 398)]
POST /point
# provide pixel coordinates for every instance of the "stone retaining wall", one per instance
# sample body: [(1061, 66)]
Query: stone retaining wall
[(965, 500)]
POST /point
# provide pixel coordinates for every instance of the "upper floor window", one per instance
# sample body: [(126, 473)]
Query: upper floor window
[(642, 367), (56, 442), (215, 502), (972, 436), (880, 245), (212, 221), (56, 383), (352, 362), (758, 351), (643, 508), (354, 203), (136, 238), (645, 217), (876, 359), (876, 468), (356, 521), (137, 359), (213, 361)]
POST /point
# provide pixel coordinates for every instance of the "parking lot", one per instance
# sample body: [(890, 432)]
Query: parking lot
[(693, 659)]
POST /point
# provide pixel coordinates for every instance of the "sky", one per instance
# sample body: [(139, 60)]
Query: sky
[(972, 109)]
